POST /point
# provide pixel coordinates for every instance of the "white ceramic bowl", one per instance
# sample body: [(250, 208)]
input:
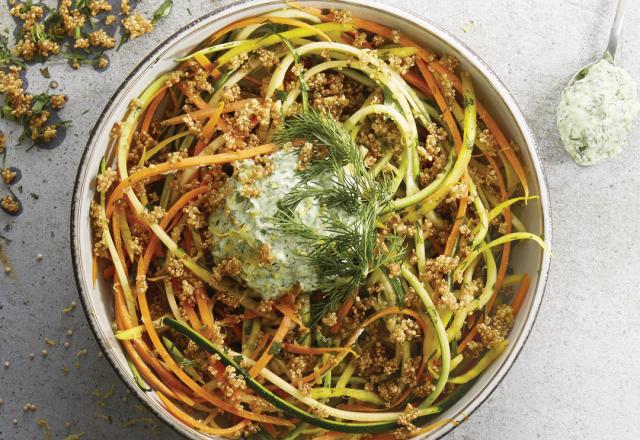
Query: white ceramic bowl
[(98, 300)]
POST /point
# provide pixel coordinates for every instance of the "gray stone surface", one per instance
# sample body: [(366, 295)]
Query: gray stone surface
[(577, 376)]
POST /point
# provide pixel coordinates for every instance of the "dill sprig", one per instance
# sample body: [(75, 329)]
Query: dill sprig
[(348, 247)]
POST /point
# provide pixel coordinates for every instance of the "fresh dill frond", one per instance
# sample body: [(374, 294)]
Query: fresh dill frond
[(348, 247)]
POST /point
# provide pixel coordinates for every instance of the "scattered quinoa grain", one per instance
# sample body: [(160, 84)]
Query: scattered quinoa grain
[(395, 36), (11, 205), (103, 63), (330, 319), (342, 15), (125, 8), (100, 38), (8, 175), (58, 101), (137, 25)]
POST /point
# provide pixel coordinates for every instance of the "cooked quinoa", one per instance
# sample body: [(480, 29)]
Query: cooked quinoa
[(137, 25), (10, 204), (44, 32)]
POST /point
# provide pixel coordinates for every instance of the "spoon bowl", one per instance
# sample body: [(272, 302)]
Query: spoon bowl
[(612, 47)]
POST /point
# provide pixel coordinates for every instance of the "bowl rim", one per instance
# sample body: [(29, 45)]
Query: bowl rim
[(239, 7)]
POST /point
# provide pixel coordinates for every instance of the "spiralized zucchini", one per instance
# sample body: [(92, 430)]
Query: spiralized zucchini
[(410, 184)]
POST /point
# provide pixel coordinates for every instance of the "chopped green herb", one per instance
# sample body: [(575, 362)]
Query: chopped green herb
[(7, 58), (276, 348), (163, 10), (281, 95), (123, 39), (83, 7), (7, 113), (39, 102), (79, 58)]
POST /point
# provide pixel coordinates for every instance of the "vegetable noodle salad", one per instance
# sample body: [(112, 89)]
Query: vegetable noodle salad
[(307, 226)]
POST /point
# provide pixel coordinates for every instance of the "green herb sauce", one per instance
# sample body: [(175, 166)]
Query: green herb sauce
[(596, 113), (243, 225)]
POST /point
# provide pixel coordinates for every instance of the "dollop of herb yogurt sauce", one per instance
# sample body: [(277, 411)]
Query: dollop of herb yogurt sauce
[(596, 113), (246, 222)]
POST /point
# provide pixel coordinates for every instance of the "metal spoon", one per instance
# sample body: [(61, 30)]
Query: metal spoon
[(612, 47)]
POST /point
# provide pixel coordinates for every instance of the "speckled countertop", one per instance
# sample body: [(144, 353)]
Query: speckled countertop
[(577, 376)]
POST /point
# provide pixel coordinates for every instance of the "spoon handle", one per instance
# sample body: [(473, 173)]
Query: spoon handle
[(616, 30)]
